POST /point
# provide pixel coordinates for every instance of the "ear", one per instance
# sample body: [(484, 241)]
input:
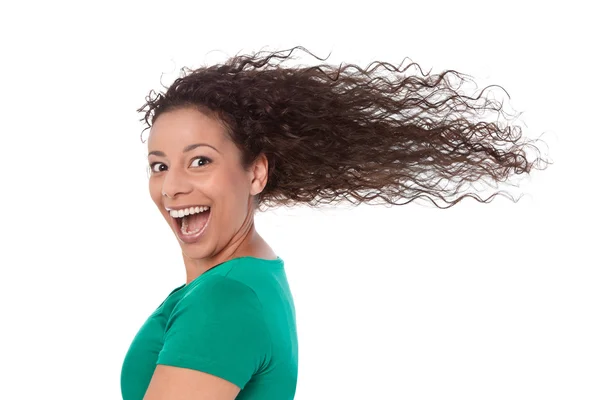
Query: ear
[(259, 174)]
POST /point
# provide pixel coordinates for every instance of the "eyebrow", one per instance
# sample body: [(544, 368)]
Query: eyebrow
[(185, 150)]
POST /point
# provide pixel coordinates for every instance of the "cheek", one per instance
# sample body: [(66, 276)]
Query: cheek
[(232, 194)]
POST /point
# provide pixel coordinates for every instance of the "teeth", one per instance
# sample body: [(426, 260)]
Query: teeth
[(187, 211)]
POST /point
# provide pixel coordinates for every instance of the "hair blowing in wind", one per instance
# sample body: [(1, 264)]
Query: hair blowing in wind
[(376, 135)]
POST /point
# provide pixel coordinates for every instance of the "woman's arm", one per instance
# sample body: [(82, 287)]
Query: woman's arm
[(174, 383)]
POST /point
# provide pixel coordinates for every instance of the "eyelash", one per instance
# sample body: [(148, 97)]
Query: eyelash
[(206, 159)]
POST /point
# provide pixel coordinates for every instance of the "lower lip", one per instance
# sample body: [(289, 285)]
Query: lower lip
[(194, 237)]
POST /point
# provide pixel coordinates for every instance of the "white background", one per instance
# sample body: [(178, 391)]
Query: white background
[(479, 301)]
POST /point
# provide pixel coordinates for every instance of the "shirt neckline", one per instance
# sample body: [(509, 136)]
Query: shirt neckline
[(278, 261)]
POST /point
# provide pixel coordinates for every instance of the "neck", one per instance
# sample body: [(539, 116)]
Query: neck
[(249, 243)]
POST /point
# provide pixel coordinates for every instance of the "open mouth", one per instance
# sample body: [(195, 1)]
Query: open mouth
[(190, 222)]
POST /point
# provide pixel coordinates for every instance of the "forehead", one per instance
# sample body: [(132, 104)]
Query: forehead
[(178, 128)]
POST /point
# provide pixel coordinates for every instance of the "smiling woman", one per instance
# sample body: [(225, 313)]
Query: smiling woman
[(194, 165), (232, 326), (231, 139)]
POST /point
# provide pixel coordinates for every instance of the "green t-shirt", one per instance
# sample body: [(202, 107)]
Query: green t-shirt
[(236, 321)]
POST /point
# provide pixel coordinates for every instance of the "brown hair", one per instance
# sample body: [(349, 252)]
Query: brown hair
[(346, 133)]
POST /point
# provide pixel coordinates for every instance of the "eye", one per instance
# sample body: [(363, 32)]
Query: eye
[(195, 161), (157, 167)]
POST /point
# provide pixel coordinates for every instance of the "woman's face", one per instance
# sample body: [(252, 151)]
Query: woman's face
[(193, 164)]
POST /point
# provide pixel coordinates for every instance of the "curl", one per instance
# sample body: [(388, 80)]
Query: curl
[(377, 135)]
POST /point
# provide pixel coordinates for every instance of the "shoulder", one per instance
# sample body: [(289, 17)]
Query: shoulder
[(218, 300), (218, 327), (221, 290)]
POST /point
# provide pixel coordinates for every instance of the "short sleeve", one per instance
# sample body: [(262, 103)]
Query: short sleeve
[(218, 327)]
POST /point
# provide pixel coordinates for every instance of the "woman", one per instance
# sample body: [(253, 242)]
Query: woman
[(230, 139)]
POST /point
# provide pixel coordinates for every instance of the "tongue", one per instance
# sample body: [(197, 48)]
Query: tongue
[(196, 221)]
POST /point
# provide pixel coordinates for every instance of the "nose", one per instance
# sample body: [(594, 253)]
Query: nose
[(175, 183)]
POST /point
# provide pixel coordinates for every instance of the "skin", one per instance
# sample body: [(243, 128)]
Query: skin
[(228, 189), (221, 184)]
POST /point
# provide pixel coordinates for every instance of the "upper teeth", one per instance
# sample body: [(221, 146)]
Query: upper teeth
[(187, 211)]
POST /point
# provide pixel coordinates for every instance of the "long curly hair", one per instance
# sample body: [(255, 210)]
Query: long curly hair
[(334, 134)]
